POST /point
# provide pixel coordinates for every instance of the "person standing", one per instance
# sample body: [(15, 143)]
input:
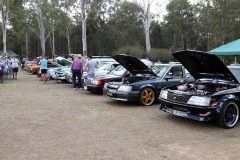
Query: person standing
[(77, 70), (43, 67), (39, 59), (91, 65), (1, 61), (6, 62), (14, 61), (147, 62)]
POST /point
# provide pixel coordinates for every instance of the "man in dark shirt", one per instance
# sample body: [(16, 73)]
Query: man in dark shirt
[(77, 70)]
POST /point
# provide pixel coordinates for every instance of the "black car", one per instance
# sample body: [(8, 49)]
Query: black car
[(213, 96), (144, 84)]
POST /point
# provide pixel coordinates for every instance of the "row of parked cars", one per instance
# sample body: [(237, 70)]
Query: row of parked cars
[(199, 87)]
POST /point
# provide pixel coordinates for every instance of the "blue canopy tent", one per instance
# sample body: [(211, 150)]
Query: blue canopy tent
[(232, 48)]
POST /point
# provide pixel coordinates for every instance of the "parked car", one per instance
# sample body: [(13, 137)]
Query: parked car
[(23, 62), (50, 65), (101, 60), (29, 63), (102, 69), (145, 83), (214, 95), (32, 68), (59, 72), (96, 84), (36, 68)]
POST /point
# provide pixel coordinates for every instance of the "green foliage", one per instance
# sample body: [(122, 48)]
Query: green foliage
[(115, 27), (225, 22), (156, 35), (157, 54), (136, 51)]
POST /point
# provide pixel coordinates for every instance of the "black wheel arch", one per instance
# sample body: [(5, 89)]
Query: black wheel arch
[(226, 98)]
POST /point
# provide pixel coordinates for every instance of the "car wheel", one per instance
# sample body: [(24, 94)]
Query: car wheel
[(146, 97), (36, 71), (229, 115)]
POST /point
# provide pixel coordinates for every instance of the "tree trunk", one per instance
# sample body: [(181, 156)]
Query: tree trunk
[(42, 32), (146, 23), (4, 28), (26, 45), (53, 45), (84, 39), (69, 45)]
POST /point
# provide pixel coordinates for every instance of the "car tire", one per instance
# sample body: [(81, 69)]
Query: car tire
[(36, 71), (229, 115), (146, 96)]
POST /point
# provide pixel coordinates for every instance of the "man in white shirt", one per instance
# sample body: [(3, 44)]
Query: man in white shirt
[(14, 62), (147, 62)]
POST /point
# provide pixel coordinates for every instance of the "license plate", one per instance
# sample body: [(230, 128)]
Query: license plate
[(176, 112), (70, 80), (109, 94), (85, 87)]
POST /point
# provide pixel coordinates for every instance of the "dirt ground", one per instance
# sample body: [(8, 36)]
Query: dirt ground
[(53, 121)]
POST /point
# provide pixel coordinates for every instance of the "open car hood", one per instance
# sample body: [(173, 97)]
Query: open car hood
[(204, 65), (133, 65)]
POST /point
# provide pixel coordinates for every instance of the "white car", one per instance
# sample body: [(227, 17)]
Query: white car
[(102, 69)]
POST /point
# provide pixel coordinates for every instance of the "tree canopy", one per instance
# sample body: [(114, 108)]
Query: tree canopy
[(48, 27)]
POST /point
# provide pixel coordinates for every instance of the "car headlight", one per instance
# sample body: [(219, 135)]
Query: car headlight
[(163, 94), (59, 69), (105, 85), (125, 88), (200, 101), (96, 83)]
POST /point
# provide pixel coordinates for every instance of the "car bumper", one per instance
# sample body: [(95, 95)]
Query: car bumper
[(120, 95), (68, 78), (92, 88), (60, 76), (199, 113)]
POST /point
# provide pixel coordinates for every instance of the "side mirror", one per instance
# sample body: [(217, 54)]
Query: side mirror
[(168, 77)]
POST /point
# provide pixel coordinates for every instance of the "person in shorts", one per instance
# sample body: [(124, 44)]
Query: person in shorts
[(14, 61), (43, 67), (91, 65)]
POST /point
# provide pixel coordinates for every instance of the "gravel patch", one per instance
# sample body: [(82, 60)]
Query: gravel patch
[(53, 121)]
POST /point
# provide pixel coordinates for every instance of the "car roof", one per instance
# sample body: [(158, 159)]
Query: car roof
[(168, 64), (110, 62)]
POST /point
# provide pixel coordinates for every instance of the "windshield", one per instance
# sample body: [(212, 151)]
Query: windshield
[(64, 62), (119, 70), (103, 66), (159, 70), (236, 73), (187, 74), (54, 63)]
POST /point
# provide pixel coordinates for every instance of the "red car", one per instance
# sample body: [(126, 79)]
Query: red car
[(96, 84)]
